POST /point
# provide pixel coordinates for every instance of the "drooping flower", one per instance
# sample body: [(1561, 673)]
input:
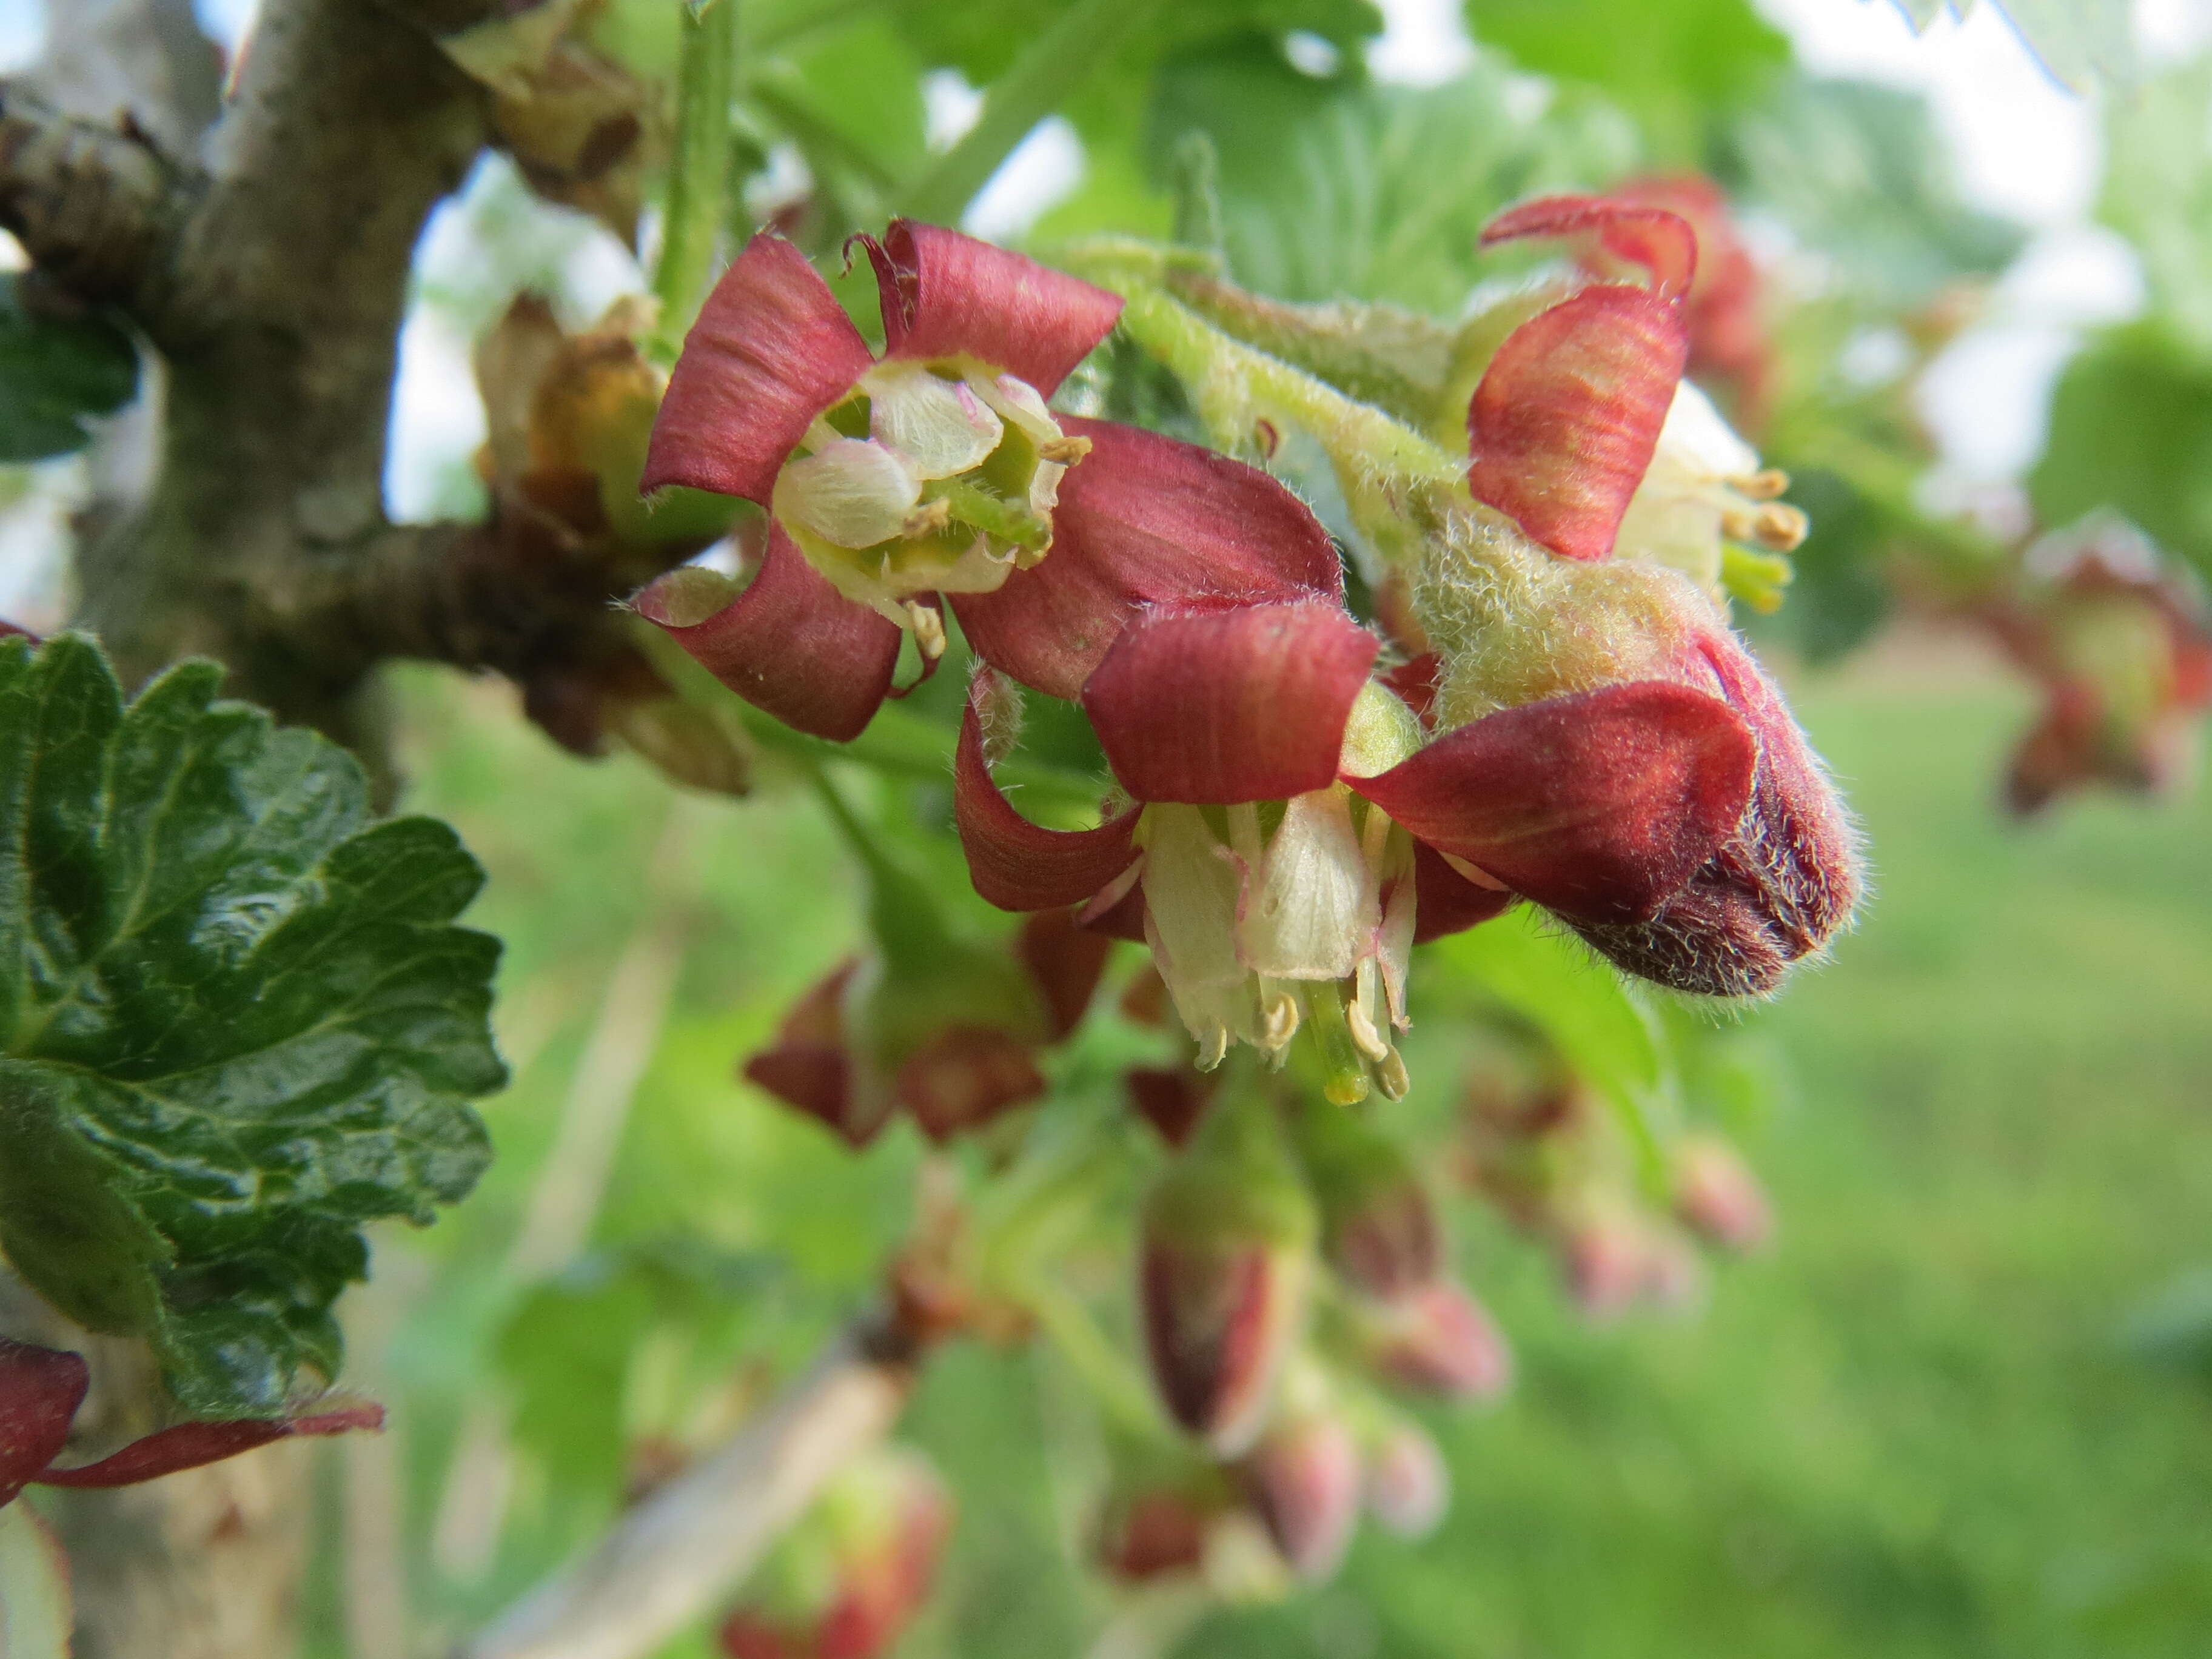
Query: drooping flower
[(952, 1037), (938, 469), (2123, 657), (1297, 831), (1582, 429), (1435, 1338), (1716, 1195)]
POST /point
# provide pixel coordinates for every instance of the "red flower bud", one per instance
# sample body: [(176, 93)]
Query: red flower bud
[(1437, 1340), (1716, 1195), (1153, 1535), (1378, 1225), (1304, 1481), (1224, 1259), (1617, 1259)]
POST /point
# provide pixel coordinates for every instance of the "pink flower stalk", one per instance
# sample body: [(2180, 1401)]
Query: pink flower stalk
[(955, 1051), (40, 1390), (1296, 831), (937, 472)]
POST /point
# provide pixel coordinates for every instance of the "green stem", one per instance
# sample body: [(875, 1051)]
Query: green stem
[(906, 744), (1087, 36), (1106, 1372), (698, 179)]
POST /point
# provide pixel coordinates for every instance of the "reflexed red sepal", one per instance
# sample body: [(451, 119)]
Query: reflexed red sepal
[(771, 350), (945, 295), (1445, 902), (190, 1445), (1214, 707), (1017, 865), (1599, 805), (1642, 233), (1065, 961), (791, 644), (1144, 520), (808, 1066), (967, 1075), (1563, 425), (40, 1390)]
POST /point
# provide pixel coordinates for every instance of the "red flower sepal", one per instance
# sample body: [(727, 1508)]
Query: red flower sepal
[(1563, 421), (952, 1037), (938, 469), (1284, 796)]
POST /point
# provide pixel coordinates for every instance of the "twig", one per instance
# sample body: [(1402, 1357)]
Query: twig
[(671, 1560)]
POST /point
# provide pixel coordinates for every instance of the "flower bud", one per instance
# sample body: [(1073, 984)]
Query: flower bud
[(1154, 1535), (1617, 1259), (1224, 1254), (1716, 1195), (1378, 1225), (849, 1579), (1408, 1487), (1304, 1481), (1437, 1340)]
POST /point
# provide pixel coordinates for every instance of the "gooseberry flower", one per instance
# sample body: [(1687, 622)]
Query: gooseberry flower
[(937, 471), (1296, 831), (950, 1034), (1435, 1338), (2124, 657), (1582, 429)]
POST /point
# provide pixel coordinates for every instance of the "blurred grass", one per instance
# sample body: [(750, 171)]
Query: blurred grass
[(1913, 1428)]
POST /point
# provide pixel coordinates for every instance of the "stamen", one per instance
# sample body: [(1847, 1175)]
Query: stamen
[(1279, 1018), (1766, 486), (1212, 1045), (927, 520), (1365, 1037), (1777, 526), (928, 629), (1066, 449), (1392, 1077)]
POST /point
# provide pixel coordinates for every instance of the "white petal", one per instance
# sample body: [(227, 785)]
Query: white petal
[(940, 426), (1695, 431), (1191, 890), (1316, 908), (851, 493), (1019, 402)]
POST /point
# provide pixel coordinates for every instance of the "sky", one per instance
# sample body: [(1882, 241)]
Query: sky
[(2023, 146)]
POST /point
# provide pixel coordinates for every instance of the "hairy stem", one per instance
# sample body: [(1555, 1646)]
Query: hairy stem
[(698, 183)]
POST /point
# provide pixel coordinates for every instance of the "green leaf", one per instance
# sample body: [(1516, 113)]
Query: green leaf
[(2158, 193), (1674, 67), (1331, 191), (235, 1023), (1860, 173), (35, 1590), (2079, 42), (54, 374), (2132, 430)]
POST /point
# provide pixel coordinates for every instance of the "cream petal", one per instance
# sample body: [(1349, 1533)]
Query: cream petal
[(941, 426), (1315, 907), (850, 493)]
